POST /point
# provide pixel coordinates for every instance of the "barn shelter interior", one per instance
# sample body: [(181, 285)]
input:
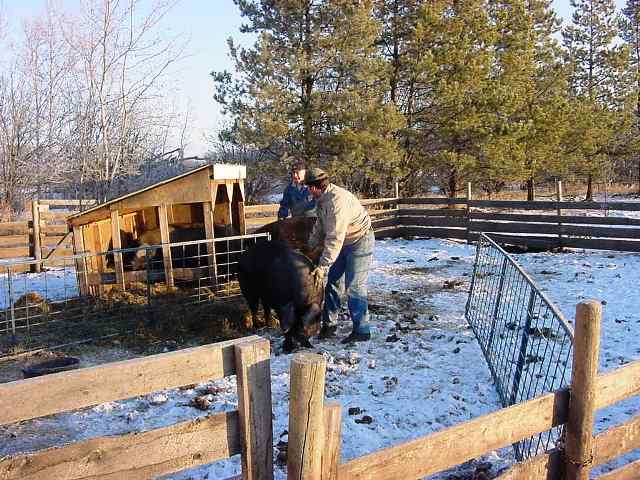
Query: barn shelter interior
[(206, 200)]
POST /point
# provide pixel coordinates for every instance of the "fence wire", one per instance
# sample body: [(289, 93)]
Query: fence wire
[(526, 341), (50, 310)]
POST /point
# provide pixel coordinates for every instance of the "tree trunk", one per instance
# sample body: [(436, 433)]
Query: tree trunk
[(531, 190), (589, 196), (453, 183), (307, 89)]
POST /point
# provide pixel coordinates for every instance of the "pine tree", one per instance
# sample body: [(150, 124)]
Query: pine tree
[(397, 19), (528, 94), (630, 33), (596, 78), (451, 47), (311, 87)]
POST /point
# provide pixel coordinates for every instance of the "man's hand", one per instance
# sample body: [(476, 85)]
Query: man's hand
[(318, 275)]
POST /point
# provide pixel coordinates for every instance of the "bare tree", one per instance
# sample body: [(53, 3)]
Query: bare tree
[(119, 62), (18, 147)]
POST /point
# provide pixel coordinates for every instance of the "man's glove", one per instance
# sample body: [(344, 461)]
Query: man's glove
[(318, 275)]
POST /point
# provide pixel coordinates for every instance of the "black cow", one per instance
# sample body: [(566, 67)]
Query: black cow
[(280, 278), (126, 241), (183, 256)]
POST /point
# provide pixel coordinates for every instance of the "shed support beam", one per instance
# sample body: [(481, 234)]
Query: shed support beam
[(242, 225), (117, 244), (166, 250), (211, 246), (81, 264)]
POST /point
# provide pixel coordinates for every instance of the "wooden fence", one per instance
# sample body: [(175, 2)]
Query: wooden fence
[(314, 427), (544, 224), (383, 212), (44, 236), (314, 435), (246, 431)]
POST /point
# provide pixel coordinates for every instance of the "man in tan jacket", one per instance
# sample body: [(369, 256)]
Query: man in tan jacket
[(343, 229)]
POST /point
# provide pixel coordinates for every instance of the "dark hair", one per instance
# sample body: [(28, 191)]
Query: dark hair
[(297, 166), (321, 184)]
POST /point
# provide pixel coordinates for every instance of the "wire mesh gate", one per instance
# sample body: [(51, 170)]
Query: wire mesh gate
[(525, 339), (47, 309)]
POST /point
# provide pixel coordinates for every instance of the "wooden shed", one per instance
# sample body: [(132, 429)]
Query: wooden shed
[(207, 197)]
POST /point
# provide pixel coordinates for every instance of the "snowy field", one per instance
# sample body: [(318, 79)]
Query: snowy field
[(422, 371)]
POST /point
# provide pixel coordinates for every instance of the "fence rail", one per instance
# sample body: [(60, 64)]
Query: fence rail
[(246, 431), (44, 235), (453, 446), (604, 226)]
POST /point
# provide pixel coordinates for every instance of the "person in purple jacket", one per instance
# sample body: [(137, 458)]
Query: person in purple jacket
[(296, 198)]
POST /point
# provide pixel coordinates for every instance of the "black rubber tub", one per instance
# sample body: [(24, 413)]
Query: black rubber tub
[(56, 365)]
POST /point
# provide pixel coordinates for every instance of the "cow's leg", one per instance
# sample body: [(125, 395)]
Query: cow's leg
[(267, 314), (287, 317), (311, 320), (289, 344)]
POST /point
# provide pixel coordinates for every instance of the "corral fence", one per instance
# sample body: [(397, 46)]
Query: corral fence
[(315, 427), (45, 236), (381, 210), (48, 309), (539, 224), (525, 339), (246, 430), (545, 224)]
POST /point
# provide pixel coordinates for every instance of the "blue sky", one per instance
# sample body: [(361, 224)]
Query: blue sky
[(208, 23)]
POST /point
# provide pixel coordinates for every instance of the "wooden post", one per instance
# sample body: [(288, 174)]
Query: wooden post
[(396, 189), (81, 263), (37, 245), (163, 219), (469, 212), (579, 454), (306, 417), (242, 227), (209, 233), (559, 210), (331, 449), (229, 206), (253, 373), (117, 244)]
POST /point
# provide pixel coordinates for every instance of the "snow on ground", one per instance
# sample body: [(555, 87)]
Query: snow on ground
[(422, 371), (53, 285)]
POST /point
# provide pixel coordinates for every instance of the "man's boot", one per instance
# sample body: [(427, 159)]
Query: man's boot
[(327, 331)]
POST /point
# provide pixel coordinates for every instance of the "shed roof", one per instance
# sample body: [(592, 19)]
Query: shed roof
[(218, 172)]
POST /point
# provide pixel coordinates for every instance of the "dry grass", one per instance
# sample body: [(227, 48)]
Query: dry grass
[(175, 316)]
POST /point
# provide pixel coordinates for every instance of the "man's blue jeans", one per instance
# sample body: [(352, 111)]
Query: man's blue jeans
[(353, 263)]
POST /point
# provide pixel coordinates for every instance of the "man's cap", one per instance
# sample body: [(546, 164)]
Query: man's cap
[(315, 174)]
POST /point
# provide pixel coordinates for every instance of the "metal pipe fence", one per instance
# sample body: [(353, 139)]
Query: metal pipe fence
[(47, 309), (526, 341)]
